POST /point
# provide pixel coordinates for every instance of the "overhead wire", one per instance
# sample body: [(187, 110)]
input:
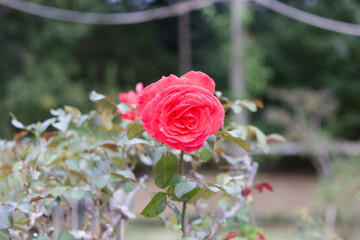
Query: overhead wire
[(311, 19), (106, 18), (173, 11)]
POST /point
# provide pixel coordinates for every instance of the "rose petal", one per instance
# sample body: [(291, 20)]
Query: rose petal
[(183, 118), (189, 79)]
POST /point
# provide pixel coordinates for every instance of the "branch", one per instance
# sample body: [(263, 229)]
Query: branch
[(311, 19), (106, 18)]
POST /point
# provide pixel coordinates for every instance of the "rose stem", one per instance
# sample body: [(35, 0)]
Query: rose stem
[(184, 203), (181, 163)]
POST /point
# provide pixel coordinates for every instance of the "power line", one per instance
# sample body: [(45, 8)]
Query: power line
[(311, 19), (106, 18), (172, 11)]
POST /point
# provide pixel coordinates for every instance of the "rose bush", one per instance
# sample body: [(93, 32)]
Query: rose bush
[(181, 112), (130, 98), (87, 161)]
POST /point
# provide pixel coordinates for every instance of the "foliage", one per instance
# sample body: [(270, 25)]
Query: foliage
[(311, 228), (344, 185), (92, 157), (64, 61), (316, 59)]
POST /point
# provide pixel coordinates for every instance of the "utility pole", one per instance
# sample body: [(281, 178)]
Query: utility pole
[(237, 80), (184, 43)]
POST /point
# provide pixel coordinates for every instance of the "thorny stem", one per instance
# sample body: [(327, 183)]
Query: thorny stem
[(184, 203)]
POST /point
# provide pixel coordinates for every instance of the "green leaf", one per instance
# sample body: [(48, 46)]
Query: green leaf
[(146, 159), (237, 140), (42, 238), (127, 186), (44, 125), (135, 130), (199, 194), (176, 211), (126, 174), (77, 193), (261, 138), (158, 153), (184, 187), (66, 236), (73, 164), (57, 191), (4, 234), (203, 234), (249, 105), (205, 154), (94, 96), (63, 123), (102, 181), (171, 194), (173, 181), (17, 124), (233, 191), (24, 207), (106, 117), (124, 108), (165, 169), (208, 194), (88, 194), (274, 137), (6, 216), (17, 228), (216, 188), (138, 141), (113, 147), (156, 206), (34, 197), (58, 112), (185, 197), (211, 140), (236, 108)]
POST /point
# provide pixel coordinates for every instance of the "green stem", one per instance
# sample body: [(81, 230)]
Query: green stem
[(183, 219), (184, 203), (181, 163)]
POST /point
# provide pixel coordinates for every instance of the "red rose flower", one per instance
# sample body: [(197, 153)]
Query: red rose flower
[(181, 112), (130, 98)]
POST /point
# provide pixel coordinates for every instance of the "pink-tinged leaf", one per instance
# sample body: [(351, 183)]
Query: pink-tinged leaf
[(113, 147), (38, 197), (20, 135), (267, 186), (275, 138), (260, 236), (259, 187), (230, 235), (257, 102)]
